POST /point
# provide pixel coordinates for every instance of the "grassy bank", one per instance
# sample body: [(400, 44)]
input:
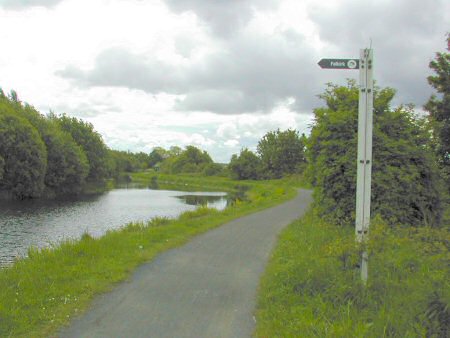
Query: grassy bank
[(43, 292), (312, 287), (192, 182)]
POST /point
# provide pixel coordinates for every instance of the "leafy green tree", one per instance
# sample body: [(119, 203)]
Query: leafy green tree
[(157, 155), (126, 161), (439, 109), (23, 153), (117, 163), (143, 160), (191, 160), (405, 184), (67, 165), (174, 151), (166, 166), (281, 153), (66, 162), (90, 141), (213, 169), (246, 166)]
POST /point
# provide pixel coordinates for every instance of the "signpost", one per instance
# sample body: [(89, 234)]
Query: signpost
[(339, 63), (364, 157)]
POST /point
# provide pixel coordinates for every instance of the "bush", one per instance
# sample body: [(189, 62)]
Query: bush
[(246, 166), (405, 180), (281, 153), (213, 169)]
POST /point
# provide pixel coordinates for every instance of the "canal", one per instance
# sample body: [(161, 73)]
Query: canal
[(42, 223)]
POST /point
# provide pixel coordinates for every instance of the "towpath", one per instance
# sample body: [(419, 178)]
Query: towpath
[(206, 288)]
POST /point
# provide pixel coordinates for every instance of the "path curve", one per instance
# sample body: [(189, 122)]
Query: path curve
[(206, 288)]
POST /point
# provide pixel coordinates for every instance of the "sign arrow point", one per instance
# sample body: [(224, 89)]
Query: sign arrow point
[(322, 63)]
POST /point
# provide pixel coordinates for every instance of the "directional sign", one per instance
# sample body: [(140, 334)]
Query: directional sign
[(365, 130), (339, 63)]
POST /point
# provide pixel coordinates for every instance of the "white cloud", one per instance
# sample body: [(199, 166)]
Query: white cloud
[(178, 72), (231, 143), (24, 4), (227, 130)]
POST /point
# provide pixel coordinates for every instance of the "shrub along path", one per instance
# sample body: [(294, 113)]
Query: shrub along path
[(206, 288)]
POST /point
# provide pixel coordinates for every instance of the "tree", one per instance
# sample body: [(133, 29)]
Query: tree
[(157, 155), (142, 159), (90, 141), (67, 165), (405, 183), (174, 151), (125, 161), (213, 169), (281, 153), (439, 109), (23, 155), (246, 166), (191, 160)]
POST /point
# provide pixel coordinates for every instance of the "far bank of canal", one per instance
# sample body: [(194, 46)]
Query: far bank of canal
[(41, 223)]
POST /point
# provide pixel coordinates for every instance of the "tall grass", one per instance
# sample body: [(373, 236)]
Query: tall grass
[(43, 292), (312, 286)]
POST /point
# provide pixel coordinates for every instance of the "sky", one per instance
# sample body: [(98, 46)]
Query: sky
[(216, 74)]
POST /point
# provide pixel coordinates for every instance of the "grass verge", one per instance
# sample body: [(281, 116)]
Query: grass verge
[(41, 293), (312, 288)]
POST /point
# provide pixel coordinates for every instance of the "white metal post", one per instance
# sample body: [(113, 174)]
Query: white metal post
[(364, 159)]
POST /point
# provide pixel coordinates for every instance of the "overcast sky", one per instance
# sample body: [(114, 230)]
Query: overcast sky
[(217, 74)]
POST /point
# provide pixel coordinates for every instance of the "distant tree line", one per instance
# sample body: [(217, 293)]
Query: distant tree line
[(189, 160), (56, 154), (278, 153), (175, 160), (126, 161)]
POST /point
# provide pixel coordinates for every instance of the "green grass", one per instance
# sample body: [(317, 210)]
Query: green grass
[(312, 286), (41, 293), (190, 182)]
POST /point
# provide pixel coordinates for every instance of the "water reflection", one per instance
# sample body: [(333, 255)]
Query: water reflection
[(210, 201)]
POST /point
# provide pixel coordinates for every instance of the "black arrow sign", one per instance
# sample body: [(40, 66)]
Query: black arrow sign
[(339, 63)]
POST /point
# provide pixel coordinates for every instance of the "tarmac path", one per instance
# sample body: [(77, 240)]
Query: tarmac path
[(206, 288)]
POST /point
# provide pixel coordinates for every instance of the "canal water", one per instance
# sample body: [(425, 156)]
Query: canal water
[(42, 223)]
